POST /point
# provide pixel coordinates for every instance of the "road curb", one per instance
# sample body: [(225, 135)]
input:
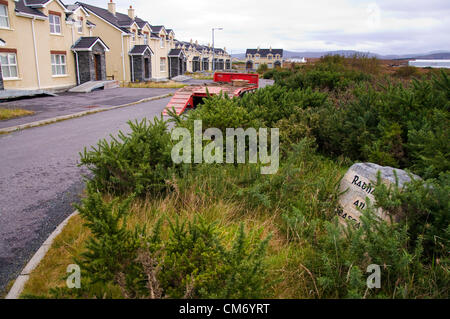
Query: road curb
[(76, 115), (19, 284)]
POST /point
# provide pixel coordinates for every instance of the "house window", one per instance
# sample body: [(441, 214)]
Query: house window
[(55, 24), (9, 65), (145, 38), (270, 65), (58, 64), (257, 56), (80, 25), (256, 66), (161, 41), (133, 35), (162, 65), (270, 56), (4, 19)]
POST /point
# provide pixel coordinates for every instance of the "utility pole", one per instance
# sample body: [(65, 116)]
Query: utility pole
[(214, 50)]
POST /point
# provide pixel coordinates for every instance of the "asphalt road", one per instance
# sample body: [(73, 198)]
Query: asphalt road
[(40, 179), (69, 103)]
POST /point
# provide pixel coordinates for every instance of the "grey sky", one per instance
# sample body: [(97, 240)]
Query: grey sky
[(382, 26)]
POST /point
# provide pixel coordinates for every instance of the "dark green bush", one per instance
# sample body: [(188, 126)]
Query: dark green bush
[(138, 162), (193, 261)]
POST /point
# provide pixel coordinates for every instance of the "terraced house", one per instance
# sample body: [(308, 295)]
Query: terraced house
[(256, 57), (200, 57), (39, 52), (45, 44)]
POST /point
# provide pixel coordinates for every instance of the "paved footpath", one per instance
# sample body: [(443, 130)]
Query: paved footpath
[(40, 179)]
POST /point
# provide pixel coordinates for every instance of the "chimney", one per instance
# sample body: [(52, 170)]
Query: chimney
[(131, 13), (191, 41), (112, 7), (258, 48), (196, 42)]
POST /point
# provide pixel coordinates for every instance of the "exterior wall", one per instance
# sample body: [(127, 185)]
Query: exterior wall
[(87, 64), (139, 67), (256, 62), (34, 74), (115, 64), (20, 37), (177, 66), (159, 53), (1, 79)]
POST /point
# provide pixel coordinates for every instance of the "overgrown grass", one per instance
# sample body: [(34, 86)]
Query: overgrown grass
[(155, 85), (6, 114)]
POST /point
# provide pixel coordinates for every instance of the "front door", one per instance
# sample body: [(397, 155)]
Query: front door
[(147, 68), (98, 67)]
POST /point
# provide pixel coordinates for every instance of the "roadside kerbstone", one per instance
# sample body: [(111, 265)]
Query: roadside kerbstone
[(359, 185)]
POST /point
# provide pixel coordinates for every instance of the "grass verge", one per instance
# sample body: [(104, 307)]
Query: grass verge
[(7, 114), (155, 85)]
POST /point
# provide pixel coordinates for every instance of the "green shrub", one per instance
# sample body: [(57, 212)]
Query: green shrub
[(193, 261), (262, 69), (138, 162), (406, 71)]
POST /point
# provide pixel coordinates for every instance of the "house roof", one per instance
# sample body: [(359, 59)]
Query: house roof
[(140, 50), (175, 53), (23, 9), (264, 52), (87, 43), (43, 4), (157, 28), (154, 35), (120, 20), (36, 2)]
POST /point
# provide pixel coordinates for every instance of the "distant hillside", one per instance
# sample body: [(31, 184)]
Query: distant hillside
[(310, 54)]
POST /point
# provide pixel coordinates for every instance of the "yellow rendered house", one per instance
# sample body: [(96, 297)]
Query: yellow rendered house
[(37, 38), (45, 44)]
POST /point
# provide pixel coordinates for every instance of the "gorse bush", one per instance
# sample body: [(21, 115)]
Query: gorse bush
[(330, 115), (137, 162), (191, 261)]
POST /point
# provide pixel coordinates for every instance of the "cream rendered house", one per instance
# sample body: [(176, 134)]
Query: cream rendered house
[(256, 57), (45, 44), (128, 38), (39, 36), (200, 57)]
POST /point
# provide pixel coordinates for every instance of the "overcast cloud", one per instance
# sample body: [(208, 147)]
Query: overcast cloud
[(383, 26)]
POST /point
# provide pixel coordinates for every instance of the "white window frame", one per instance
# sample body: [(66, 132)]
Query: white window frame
[(57, 64), (9, 65), (162, 66), (80, 27), (5, 17), (161, 42), (54, 24), (146, 38)]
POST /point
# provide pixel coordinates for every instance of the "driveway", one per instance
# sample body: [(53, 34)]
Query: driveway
[(69, 103), (40, 179)]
